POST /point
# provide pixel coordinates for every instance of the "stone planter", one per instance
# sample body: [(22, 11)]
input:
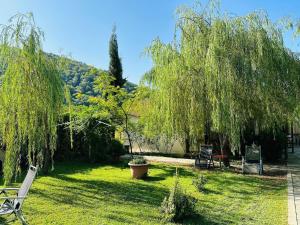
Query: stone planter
[(139, 171)]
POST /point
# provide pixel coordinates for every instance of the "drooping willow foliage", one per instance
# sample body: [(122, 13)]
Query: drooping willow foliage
[(31, 96), (220, 73)]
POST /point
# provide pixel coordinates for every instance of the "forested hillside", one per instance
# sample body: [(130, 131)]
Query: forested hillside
[(80, 79)]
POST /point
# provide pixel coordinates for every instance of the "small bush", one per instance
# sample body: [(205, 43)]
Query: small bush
[(116, 148), (177, 205), (200, 182), (138, 160), (93, 142)]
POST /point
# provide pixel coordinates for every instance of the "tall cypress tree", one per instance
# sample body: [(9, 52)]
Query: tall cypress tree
[(115, 65)]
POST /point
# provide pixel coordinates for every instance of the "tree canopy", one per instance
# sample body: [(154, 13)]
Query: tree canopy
[(31, 96), (221, 72)]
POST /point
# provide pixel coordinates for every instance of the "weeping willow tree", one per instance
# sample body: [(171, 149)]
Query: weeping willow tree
[(31, 96), (251, 75), (220, 74), (177, 108)]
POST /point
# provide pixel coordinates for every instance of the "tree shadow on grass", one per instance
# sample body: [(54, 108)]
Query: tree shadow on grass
[(208, 191), (199, 219), (170, 171), (91, 190), (85, 193), (153, 178), (4, 220), (243, 187), (74, 167)]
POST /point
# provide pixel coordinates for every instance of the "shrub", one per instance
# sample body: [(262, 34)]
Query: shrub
[(94, 142), (177, 205), (138, 160), (200, 182), (116, 148)]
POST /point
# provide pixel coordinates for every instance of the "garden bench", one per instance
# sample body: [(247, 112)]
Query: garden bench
[(204, 158), (252, 161)]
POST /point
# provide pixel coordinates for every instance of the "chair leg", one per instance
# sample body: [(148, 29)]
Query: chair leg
[(20, 216), (12, 219)]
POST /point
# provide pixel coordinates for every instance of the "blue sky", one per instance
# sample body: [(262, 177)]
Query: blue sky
[(82, 28)]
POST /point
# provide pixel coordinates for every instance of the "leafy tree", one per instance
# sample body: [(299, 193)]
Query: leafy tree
[(113, 104), (31, 96), (221, 74), (115, 65)]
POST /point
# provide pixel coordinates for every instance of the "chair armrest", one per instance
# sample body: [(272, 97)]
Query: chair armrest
[(13, 197), (9, 189), (6, 190)]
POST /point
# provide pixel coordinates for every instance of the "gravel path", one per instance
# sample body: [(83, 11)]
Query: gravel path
[(163, 159)]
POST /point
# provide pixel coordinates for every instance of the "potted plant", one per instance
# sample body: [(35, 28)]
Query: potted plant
[(139, 167)]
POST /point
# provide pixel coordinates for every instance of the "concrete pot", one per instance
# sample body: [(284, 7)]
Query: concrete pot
[(139, 171)]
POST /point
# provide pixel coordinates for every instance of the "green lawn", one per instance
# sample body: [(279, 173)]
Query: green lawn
[(77, 193)]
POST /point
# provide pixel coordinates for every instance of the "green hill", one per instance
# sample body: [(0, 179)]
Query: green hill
[(80, 79)]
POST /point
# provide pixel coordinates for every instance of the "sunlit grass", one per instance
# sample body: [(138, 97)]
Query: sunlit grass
[(77, 193)]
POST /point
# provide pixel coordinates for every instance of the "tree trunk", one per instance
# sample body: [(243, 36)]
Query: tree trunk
[(47, 159), (90, 153), (187, 145), (129, 140), (224, 145), (127, 131), (46, 155), (207, 133)]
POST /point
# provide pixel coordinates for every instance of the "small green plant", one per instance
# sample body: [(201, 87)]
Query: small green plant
[(138, 160), (200, 182), (177, 205)]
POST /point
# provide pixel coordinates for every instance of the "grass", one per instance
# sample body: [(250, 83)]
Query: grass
[(77, 193)]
